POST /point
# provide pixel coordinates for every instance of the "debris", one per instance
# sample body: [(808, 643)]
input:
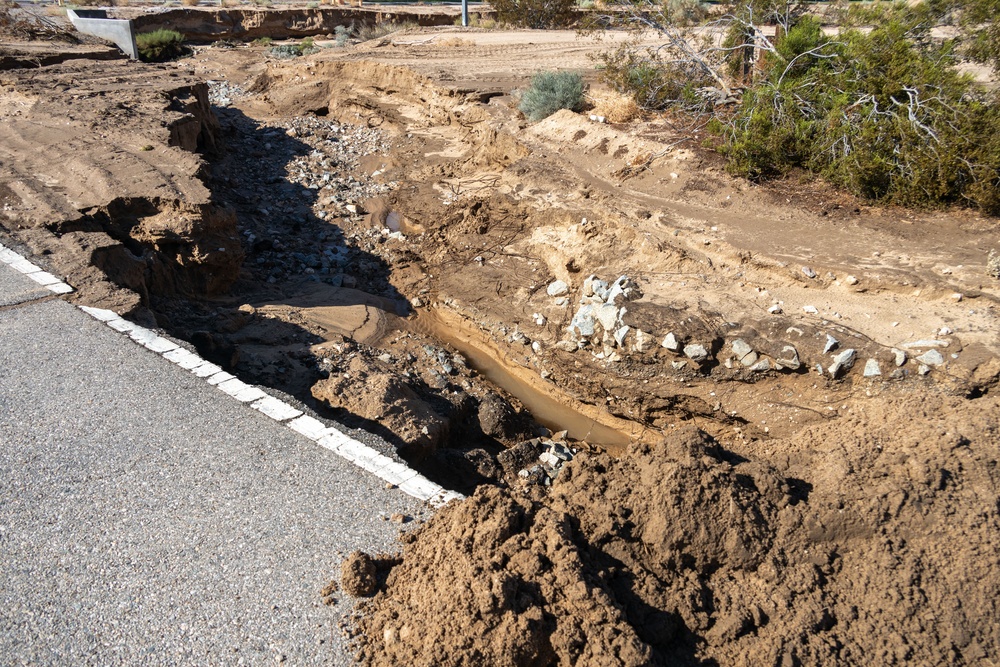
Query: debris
[(842, 362), (671, 343)]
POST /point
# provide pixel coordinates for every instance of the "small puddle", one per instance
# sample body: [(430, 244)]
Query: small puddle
[(554, 411)]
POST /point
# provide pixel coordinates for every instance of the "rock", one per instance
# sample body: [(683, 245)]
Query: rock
[(562, 301), (808, 272), (741, 348), (607, 315), (557, 288), (416, 302), (567, 346), (761, 366), (643, 341), (671, 343), (623, 288), (357, 575), (775, 310), (831, 344), (550, 459), (925, 343), (695, 352), (810, 310), (923, 369), (539, 319), (842, 362), (498, 419), (944, 331), (385, 358), (851, 280), (678, 365), (536, 347), (789, 358), (872, 368), (620, 334), (398, 518), (957, 296), (931, 358), (583, 321), (594, 286), (900, 356)]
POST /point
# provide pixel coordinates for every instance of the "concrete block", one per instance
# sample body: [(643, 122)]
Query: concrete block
[(308, 426), (276, 409), (96, 22)]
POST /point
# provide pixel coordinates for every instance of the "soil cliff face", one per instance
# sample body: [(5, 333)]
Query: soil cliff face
[(682, 553)]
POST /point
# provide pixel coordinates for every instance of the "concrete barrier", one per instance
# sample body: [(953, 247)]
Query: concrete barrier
[(96, 22)]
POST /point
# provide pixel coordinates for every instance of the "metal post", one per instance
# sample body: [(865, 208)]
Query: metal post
[(465, 13)]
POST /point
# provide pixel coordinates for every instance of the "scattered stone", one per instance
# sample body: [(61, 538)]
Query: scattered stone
[(808, 272), (923, 369), (775, 309), (944, 331), (678, 365), (557, 288), (761, 366), (695, 352), (562, 301), (831, 344), (607, 315), (594, 286), (539, 319), (398, 518), (789, 358), (357, 575), (620, 334), (417, 302), (842, 362), (957, 296), (931, 358), (900, 356), (643, 341), (536, 347), (923, 344), (810, 310), (671, 343), (583, 321), (872, 368), (851, 280), (385, 358)]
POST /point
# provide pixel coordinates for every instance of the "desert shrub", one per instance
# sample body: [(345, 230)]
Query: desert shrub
[(652, 79), (551, 91), (614, 106), (303, 48), (341, 36), (881, 112), (160, 45), (535, 13), (262, 41)]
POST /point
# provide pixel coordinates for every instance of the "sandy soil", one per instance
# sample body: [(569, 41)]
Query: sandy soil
[(781, 423)]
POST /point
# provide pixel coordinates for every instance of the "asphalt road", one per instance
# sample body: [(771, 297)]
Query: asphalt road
[(148, 518)]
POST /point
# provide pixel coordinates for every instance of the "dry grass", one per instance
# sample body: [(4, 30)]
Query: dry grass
[(614, 106)]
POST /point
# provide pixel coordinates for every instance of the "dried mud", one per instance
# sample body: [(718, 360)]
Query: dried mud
[(378, 241)]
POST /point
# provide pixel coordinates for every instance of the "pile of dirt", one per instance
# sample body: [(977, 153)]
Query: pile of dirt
[(884, 552)]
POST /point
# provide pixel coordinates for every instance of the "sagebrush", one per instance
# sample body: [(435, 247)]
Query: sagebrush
[(535, 13), (551, 91)]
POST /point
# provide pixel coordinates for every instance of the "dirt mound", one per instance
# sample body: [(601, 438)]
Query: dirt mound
[(684, 553), (357, 574)]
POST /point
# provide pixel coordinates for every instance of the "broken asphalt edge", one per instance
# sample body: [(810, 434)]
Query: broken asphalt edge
[(333, 439)]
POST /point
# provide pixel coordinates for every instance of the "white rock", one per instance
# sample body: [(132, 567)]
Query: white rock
[(538, 318), (536, 347), (842, 362), (670, 342), (557, 288), (620, 335), (775, 309), (924, 369), (931, 358), (695, 352), (810, 310), (789, 358), (831, 344), (761, 366), (643, 341), (808, 272), (900, 356), (944, 331), (851, 280), (872, 368)]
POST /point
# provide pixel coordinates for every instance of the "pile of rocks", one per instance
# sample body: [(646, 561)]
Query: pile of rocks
[(598, 321), (555, 453)]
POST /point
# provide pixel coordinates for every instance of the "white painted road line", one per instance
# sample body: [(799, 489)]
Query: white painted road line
[(394, 472), (43, 278)]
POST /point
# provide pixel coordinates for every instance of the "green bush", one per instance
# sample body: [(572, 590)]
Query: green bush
[(535, 13), (551, 91), (160, 45), (881, 112)]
